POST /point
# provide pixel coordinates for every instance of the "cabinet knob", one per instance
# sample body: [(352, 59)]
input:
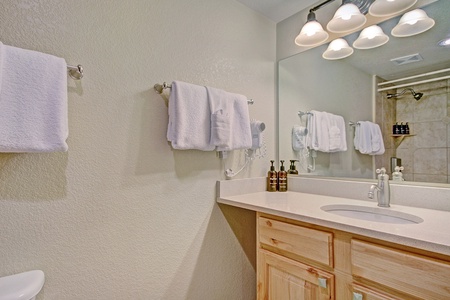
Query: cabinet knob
[(322, 282), (357, 296)]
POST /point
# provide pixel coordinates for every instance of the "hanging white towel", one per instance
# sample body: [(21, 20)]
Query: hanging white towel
[(336, 133), (377, 140), (326, 132), (233, 111), (368, 138), (318, 138), (33, 101), (189, 117)]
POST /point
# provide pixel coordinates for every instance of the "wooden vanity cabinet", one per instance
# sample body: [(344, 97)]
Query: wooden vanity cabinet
[(293, 261), (297, 260)]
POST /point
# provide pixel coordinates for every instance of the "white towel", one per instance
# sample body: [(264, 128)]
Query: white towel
[(377, 140), (189, 117), (33, 101), (326, 132), (368, 138), (233, 111), (318, 138), (336, 132), (364, 138)]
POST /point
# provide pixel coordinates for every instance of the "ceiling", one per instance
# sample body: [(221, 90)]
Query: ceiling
[(278, 10)]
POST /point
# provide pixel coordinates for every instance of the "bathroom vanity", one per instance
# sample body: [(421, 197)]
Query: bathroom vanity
[(307, 252)]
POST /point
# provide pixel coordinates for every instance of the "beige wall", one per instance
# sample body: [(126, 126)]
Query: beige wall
[(121, 215)]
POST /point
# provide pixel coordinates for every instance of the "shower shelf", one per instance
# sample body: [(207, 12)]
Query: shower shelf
[(398, 138)]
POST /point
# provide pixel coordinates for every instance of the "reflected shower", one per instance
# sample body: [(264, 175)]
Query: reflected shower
[(416, 96)]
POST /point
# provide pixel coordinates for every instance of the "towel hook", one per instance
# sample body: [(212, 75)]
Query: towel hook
[(75, 72), (160, 87)]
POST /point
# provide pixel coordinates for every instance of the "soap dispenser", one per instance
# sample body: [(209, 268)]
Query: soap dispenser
[(272, 178), (292, 169), (397, 175), (282, 178)]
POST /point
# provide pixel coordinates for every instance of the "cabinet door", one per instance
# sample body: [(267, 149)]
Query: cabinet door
[(280, 278)]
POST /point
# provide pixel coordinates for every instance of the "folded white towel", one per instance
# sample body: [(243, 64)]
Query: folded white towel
[(189, 117), (220, 129), (33, 101), (326, 132), (234, 108), (336, 132)]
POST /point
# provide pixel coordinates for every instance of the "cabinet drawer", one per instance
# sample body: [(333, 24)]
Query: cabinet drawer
[(306, 242), (363, 293), (403, 271)]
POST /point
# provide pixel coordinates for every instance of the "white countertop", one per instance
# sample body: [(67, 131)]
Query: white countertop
[(433, 234)]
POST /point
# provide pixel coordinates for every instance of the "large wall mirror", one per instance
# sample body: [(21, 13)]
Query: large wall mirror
[(348, 87)]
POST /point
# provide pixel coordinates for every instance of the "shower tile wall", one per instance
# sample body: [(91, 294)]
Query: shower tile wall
[(425, 155)]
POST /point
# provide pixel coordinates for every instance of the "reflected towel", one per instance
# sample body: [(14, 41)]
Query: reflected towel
[(326, 132), (336, 132), (368, 138)]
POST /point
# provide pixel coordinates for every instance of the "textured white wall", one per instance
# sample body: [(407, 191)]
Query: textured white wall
[(121, 215)]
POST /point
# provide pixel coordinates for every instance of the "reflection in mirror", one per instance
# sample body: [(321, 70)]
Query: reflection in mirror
[(348, 87)]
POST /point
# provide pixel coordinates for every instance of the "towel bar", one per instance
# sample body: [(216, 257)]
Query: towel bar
[(75, 72), (302, 113), (350, 123), (160, 87)]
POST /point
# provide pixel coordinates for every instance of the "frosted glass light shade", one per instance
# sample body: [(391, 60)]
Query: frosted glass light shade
[(384, 8), (338, 49), (444, 42), (371, 37), (347, 17), (412, 23), (312, 34)]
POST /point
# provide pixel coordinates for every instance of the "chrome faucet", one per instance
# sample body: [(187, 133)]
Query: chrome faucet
[(382, 187)]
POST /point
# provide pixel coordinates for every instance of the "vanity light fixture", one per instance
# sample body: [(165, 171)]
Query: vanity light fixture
[(444, 42), (412, 23), (338, 49), (312, 33), (385, 8), (371, 37), (347, 18)]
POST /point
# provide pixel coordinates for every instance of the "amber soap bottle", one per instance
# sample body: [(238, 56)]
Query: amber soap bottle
[(272, 178), (282, 178)]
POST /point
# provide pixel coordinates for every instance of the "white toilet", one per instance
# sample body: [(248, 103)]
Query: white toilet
[(23, 286)]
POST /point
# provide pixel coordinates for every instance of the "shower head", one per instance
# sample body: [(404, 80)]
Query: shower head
[(416, 96)]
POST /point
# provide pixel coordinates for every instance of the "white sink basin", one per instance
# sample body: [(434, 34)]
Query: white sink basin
[(374, 214)]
